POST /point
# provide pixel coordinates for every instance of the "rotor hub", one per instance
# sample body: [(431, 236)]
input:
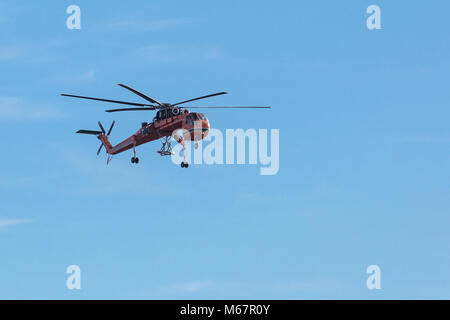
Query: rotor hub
[(166, 105)]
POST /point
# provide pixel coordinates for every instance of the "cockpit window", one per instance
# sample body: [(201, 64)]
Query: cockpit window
[(188, 118), (194, 116)]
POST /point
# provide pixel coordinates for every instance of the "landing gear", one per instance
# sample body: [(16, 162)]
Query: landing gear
[(184, 164), (166, 148), (134, 159)]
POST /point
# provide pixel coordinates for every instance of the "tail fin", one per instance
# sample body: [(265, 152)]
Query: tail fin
[(101, 135)]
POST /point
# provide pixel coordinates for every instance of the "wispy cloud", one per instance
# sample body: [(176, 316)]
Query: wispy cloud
[(88, 75), (30, 50), (311, 285), (14, 108), (172, 53), (10, 222), (117, 177), (8, 53), (9, 182), (72, 78), (253, 196), (154, 25), (422, 139), (191, 287)]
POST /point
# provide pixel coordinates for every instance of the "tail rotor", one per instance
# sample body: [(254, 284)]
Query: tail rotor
[(101, 127), (103, 132)]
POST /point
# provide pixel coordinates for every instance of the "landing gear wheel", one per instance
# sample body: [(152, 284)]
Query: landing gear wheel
[(135, 160), (184, 164), (132, 160)]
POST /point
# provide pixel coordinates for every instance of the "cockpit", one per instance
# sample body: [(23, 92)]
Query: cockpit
[(195, 116), (197, 126)]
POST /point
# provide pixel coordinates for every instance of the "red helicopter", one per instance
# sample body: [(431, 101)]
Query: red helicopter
[(168, 119)]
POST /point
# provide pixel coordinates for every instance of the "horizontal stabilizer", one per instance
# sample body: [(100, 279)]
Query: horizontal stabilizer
[(89, 132)]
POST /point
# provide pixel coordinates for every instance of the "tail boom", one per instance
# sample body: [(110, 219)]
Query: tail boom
[(106, 143)]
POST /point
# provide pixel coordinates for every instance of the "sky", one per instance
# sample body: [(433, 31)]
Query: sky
[(363, 146)]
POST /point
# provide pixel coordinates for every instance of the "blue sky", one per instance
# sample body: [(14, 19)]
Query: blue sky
[(364, 151)]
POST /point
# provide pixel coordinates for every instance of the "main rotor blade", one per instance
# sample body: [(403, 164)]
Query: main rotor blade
[(107, 100), (251, 107), (203, 97), (140, 94), (130, 109)]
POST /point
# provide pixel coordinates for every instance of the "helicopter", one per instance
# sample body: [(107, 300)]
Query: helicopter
[(169, 118)]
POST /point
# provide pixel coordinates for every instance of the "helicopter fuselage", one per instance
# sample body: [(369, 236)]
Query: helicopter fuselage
[(170, 118), (193, 126)]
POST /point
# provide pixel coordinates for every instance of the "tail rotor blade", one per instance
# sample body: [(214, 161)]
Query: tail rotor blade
[(99, 149), (110, 128), (101, 127)]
